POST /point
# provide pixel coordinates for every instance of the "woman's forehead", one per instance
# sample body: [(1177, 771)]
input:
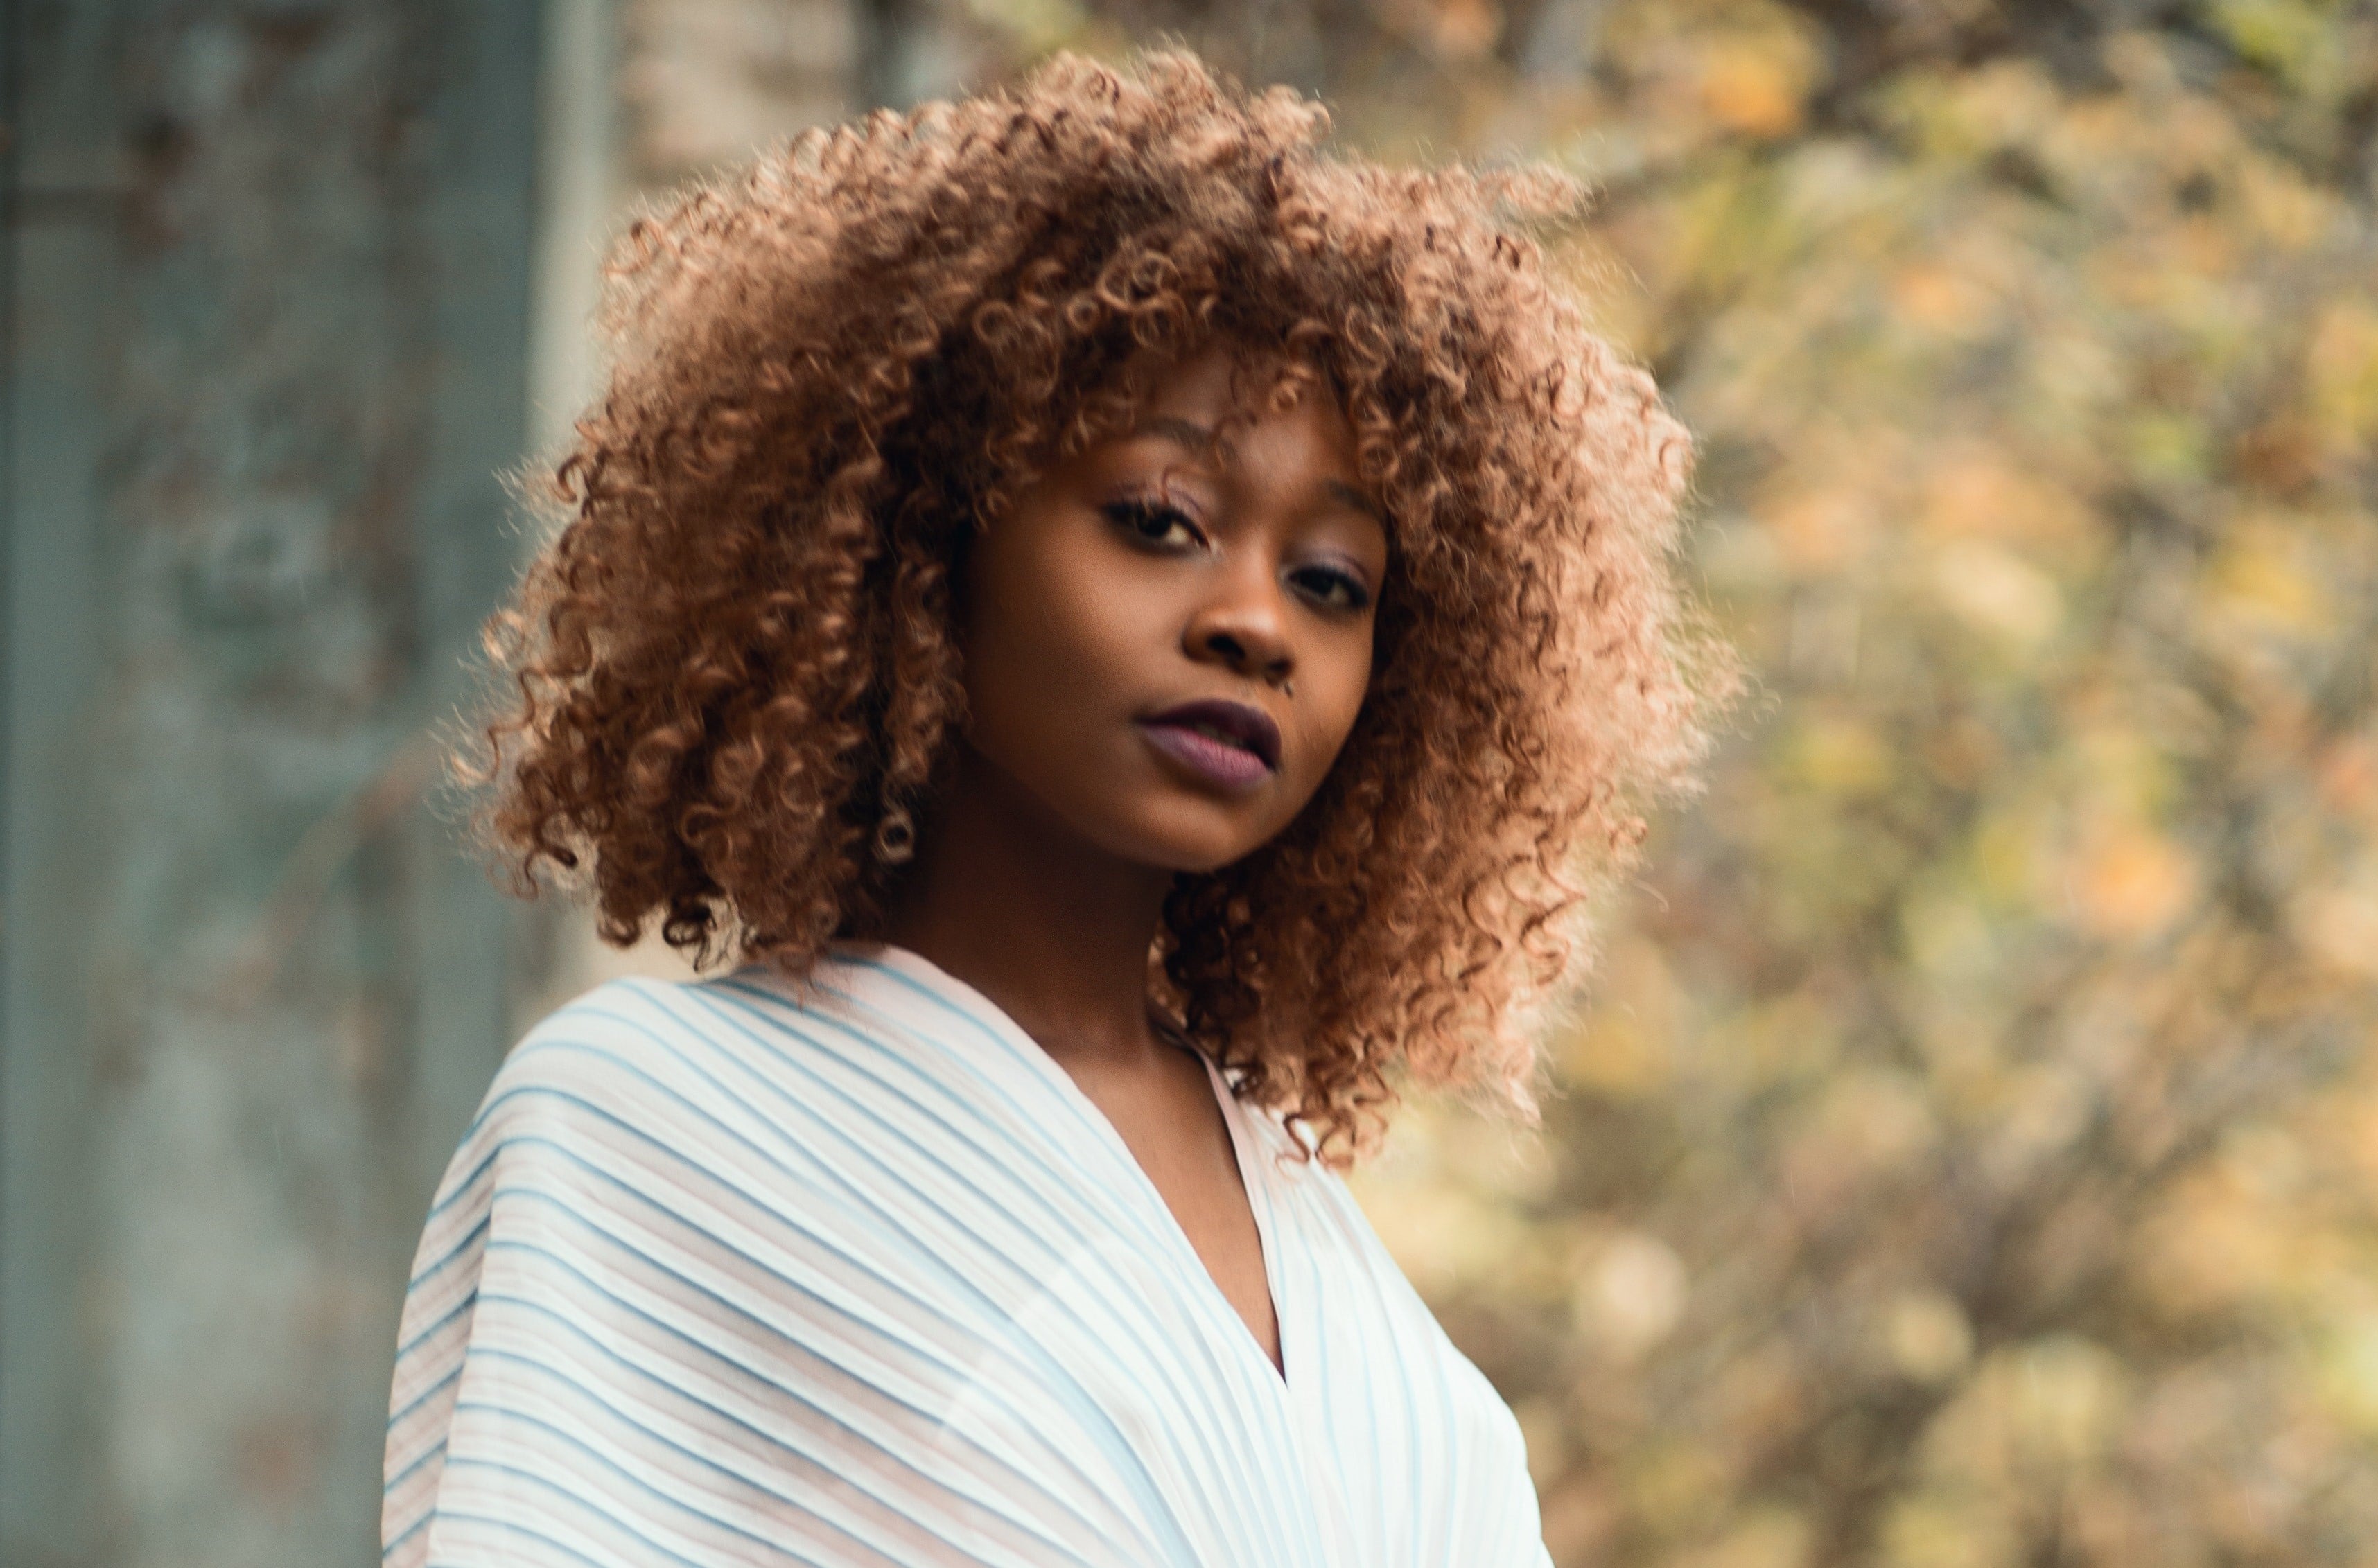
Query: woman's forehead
[(1222, 388), (1206, 386)]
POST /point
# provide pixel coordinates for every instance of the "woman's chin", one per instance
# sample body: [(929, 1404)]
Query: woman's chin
[(1193, 836)]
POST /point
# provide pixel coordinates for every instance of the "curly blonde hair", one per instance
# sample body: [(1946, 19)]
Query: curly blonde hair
[(734, 672)]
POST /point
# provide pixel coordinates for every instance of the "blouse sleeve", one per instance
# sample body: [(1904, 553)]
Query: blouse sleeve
[(532, 1419)]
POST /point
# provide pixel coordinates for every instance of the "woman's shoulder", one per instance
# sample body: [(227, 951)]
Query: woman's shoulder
[(629, 1020), (629, 1039)]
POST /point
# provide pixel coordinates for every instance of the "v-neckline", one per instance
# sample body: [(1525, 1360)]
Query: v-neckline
[(1254, 1182), (923, 971)]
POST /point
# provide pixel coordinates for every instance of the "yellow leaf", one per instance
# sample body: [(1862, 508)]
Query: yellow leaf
[(1940, 299), (1623, 1047), (1614, 1056), (2266, 578), (2341, 374), (2349, 1372), (1630, 1294), (1867, 1122), (2130, 882), (2286, 36), (1995, 591), (1675, 1483), (1960, 1530), (2006, 855), (1757, 86), (1926, 1336), (1946, 935), (2348, 776), (1771, 1537), (1984, 494), (2339, 925), (1841, 757), (1821, 530), (2290, 213), (1037, 26), (1443, 1238), (1466, 30), (2065, 1398)]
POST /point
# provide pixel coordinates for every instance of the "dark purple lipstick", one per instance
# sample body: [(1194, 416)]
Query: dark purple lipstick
[(1229, 744)]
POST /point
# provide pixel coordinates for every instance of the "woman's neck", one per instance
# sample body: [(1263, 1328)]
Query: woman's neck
[(1052, 929)]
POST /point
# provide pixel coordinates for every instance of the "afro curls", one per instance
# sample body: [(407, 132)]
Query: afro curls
[(734, 677)]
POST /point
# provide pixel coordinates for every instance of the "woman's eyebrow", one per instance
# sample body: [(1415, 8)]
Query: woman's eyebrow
[(1201, 441), (1345, 495), (1182, 433)]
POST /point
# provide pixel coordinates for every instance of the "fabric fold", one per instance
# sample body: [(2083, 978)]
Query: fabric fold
[(848, 1272)]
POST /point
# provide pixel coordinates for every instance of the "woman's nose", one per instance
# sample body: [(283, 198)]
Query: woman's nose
[(1245, 630)]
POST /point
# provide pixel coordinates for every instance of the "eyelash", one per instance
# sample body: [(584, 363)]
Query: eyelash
[(1358, 597), (1133, 514), (1152, 523)]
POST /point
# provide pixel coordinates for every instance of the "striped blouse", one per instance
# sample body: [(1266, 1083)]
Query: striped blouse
[(851, 1272)]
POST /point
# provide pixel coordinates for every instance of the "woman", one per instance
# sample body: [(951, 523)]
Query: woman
[(1130, 628)]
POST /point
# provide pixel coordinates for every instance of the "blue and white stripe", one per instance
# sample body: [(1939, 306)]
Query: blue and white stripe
[(851, 1272)]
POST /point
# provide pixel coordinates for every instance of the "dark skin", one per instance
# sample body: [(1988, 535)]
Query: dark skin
[(1212, 552)]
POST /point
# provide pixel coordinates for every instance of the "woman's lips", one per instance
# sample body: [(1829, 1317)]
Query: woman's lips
[(1229, 744)]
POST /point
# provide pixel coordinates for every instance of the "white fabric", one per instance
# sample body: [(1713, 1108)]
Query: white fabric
[(737, 1272)]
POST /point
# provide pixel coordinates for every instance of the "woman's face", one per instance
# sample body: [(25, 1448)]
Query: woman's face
[(1167, 637)]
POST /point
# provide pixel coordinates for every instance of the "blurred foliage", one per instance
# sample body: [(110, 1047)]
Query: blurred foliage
[(1970, 1155)]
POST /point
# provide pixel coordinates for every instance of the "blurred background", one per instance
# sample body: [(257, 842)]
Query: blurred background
[(1968, 1155)]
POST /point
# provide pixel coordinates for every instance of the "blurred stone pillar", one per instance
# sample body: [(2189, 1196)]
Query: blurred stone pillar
[(268, 281)]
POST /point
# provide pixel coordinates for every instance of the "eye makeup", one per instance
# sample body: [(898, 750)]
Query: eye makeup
[(1154, 522), (1332, 584)]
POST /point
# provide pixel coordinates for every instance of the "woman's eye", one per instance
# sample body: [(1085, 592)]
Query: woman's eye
[(1153, 522), (1332, 588)]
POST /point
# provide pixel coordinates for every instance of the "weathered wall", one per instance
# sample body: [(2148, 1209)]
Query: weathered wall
[(269, 303)]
